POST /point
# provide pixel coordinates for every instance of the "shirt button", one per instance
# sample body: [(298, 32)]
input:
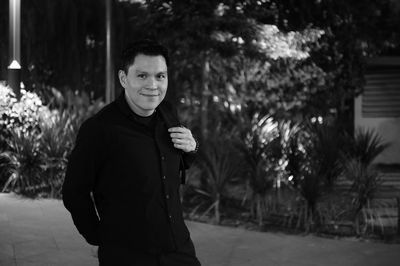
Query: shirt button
[(167, 196), (163, 158), (164, 177), (170, 217)]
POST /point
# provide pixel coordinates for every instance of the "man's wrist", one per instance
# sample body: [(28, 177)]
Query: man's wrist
[(196, 146)]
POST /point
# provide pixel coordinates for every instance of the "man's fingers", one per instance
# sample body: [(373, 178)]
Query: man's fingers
[(181, 138), (180, 141), (179, 146), (178, 130), (179, 135)]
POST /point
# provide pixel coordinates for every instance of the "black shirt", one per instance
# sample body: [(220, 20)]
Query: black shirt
[(130, 167)]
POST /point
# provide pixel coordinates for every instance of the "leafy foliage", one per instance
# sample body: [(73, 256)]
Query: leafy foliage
[(262, 153), (366, 146), (314, 155), (220, 166), (25, 161), (365, 182), (354, 32), (358, 168), (36, 155)]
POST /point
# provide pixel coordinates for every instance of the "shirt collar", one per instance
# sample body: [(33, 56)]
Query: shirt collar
[(124, 107)]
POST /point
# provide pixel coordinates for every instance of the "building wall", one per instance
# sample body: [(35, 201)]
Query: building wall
[(378, 107), (387, 127)]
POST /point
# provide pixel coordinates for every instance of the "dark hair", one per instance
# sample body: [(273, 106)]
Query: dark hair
[(145, 47)]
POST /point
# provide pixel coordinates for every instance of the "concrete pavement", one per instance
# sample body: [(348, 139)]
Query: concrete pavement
[(41, 232)]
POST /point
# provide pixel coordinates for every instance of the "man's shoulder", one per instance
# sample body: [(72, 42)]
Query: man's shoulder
[(101, 117)]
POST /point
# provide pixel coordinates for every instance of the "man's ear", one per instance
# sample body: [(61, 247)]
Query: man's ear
[(122, 78)]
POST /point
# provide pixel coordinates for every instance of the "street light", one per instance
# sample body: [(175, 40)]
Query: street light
[(14, 69), (110, 91)]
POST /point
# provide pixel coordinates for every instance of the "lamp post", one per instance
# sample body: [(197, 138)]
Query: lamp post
[(14, 69), (110, 91)]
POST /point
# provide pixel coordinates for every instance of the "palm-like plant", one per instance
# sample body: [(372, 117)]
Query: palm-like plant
[(56, 140), (36, 159), (358, 168), (305, 179), (8, 167), (262, 151), (366, 146), (219, 165), (365, 182), (313, 156), (25, 160), (327, 146)]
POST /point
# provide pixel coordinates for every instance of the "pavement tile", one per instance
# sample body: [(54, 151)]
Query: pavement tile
[(8, 262), (4, 217), (42, 233), (59, 258), (34, 247), (6, 252)]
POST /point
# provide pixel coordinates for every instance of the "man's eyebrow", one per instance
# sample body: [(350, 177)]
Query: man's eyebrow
[(142, 71)]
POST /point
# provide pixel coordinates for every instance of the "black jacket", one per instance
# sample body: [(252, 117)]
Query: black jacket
[(133, 175)]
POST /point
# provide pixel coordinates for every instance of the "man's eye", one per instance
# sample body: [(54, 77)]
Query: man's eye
[(142, 76), (162, 76)]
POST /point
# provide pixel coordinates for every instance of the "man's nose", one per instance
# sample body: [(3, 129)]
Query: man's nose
[(152, 83)]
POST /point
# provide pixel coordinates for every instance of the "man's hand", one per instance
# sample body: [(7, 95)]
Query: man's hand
[(182, 139)]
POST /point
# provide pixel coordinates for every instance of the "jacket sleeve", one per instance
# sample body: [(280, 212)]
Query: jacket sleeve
[(83, 165), (171, 118), (187, 159)]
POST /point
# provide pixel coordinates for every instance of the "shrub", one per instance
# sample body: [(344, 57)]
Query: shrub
[(359, 169), (25, 163), (40, 140), (262, 152), (314, 154), (219, 166)]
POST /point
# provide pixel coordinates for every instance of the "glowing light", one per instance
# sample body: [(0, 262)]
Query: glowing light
[(14, 65), (15, 20)]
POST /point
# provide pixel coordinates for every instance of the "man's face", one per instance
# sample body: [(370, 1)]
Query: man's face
[(145, 83)]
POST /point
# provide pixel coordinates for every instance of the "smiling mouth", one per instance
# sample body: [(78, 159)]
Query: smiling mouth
[(150, 95)]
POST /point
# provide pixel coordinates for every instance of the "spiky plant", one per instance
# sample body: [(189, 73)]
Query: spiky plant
[(26, 160), (366, 145), (56, 140), (365, 182), (262, 150), (357, 161), (8, 168), (313, 153), (219, 165)]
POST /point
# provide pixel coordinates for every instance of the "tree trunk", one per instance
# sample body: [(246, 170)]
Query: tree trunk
[(205, 93), (259, 211), (398, 215), (217, 212)]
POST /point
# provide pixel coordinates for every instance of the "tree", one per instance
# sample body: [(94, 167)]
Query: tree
[(355, 31), (194, 31)]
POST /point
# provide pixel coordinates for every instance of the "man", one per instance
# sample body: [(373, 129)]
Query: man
[(123, 175)]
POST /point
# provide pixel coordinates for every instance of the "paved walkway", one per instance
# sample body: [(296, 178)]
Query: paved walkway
[(40, 232)]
